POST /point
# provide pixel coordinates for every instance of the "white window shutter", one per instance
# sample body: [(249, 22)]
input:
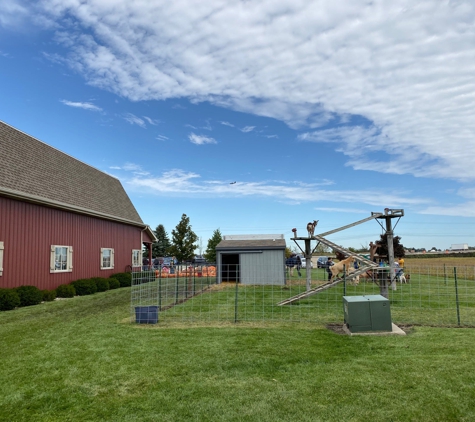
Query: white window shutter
[(112, 258), (51, 259), (1, 257), (102, 258), (70, 258)]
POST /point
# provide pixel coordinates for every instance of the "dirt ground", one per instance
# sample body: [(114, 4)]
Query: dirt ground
[(338, 328)]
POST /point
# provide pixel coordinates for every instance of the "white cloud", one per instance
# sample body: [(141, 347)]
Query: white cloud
[(247, 129), (182, 183), (346, 210), (150, 121), (200, 139), (459, 210), (227, 124), (132, 167), (12, 13), (134, 120), (406, 68), (85, 106), (162, 138)]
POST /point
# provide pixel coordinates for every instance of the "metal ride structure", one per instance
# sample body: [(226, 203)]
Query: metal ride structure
[(365, 264)]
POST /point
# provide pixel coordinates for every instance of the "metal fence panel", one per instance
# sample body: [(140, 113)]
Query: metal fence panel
[(432, 295)]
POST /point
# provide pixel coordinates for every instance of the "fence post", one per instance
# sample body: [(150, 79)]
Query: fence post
[(176, 290), (457, 296), (160, 294), (236, 303), (344, 280), (193, 292)]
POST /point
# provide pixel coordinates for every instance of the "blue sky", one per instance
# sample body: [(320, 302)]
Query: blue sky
[(317, 110)]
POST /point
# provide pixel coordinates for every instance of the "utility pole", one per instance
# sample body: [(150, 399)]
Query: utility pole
[(388, 215)]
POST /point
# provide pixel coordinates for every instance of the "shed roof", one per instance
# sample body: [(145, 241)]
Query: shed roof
[(33, 171), (251, 244)]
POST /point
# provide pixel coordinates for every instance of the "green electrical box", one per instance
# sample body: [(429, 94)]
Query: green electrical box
[(367, 313)]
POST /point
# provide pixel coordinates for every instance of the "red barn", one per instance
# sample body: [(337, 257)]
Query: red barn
[(61, 219)]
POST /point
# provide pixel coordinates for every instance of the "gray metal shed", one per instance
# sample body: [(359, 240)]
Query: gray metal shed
[(251, 259)]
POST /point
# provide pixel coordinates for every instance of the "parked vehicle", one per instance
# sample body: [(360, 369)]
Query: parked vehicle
[(304, 261), (167, 261), (322, 261), (199, 260)]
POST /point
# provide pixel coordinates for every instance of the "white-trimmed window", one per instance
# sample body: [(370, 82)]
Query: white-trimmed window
[(1, 258), (107, 258), (136, 258), (61, 259)]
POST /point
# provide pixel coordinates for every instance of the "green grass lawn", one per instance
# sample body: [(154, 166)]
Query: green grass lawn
[(81, 359), (430, 299)]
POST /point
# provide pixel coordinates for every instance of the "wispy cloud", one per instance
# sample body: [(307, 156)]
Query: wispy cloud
[(134, 120), (153, 122), (12, 13), (162, 138), (207, 126), (404, 68), (182, 183), (200, 139), (227, 124), (247, 129), (136, 169), (345, 210), (83, 105)]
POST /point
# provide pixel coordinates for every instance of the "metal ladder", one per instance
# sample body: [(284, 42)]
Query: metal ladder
[(367, 264)]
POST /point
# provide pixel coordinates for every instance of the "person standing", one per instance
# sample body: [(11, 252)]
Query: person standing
[(329, 264), (172, 265), (298, 264), (290, 264)]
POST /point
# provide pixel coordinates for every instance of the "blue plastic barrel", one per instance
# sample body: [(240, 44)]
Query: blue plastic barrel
[(146, 314)]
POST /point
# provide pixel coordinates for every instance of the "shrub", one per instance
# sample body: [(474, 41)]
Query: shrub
[(102, 284), (29, 295), (125, 279), (65, 290), (114, 283), (48, 295), (85, 286), (9, 299)]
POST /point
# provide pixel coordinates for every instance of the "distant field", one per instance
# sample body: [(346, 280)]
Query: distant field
[(440, 261)]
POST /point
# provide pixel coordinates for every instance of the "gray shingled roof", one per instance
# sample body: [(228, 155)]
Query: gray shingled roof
[(251, 244), (32, 170)]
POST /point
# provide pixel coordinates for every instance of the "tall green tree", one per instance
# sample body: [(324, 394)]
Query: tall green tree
[(161, 247), (397, 246), (210, 253), (183, 240)]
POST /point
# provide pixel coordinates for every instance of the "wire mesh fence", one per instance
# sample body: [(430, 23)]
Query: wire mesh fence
[(431, 295)]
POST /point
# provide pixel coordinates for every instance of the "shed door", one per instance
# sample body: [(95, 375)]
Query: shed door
[(230, 267)]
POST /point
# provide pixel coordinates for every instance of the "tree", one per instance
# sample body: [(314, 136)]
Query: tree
[(160, 248), (210, 253), (321, 249), (383, 246), (183, 240)]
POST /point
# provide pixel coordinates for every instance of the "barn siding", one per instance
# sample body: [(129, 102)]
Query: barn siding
[(262, 268), (28, 231)]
